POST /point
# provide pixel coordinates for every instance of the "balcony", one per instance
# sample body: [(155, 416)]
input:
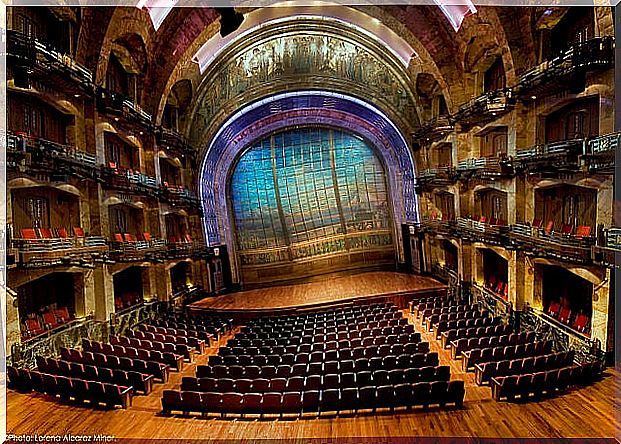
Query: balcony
[(126, 248), (184, 249), (599, 153), (47, 64), (493, 233), (485, 108), (32, 154), (436, 177), (442, 227), (435, 129), (607, 251), (485, 168), (122, 106), (490, 300), (173, 141), (36, 252), (547, 244), (559, 72), (130, 181), (551, 159), (177, 195)]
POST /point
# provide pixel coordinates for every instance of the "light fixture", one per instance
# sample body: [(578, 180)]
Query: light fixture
[(141, 133), (533, 97), (116, 119), (76, 95)]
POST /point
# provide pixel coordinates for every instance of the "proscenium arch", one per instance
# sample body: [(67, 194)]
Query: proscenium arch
[(302, 54), (301, 108)]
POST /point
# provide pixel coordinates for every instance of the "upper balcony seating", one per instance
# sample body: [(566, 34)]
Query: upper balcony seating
[(157, 369), (523, 385), (484, 372), (96, 392)]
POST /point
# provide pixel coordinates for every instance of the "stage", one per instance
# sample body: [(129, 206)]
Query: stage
[(333, 291)]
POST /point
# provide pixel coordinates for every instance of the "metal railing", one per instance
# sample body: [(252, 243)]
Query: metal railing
[(23, 354), (564, 337)]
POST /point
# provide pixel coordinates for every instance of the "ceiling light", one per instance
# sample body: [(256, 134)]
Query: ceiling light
[(116, 119), (76, 95), (533, 97)]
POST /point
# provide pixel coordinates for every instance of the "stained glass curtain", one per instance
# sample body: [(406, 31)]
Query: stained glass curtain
[(309, 192)]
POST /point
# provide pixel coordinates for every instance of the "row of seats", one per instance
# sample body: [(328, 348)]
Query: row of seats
[(474, 332), (316, 401), (488, 370), (390, 362), (213, 324), (236, 356), (445, 309), (197, 344), (140, 382), (430, 322), (412, 341), (340, 329), (461, 345), (347, 322), (494, 354), (480, 321), (317, 382), (172, 331), (356, 335), (171, 359), (177, 349), (157, 369), (420, 305), (326, 314), (548, 382), (68, 388)]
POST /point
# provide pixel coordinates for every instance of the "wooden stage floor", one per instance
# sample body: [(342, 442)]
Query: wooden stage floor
[(332, 290), (586, 412)]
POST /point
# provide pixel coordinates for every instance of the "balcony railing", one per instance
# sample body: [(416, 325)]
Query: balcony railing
[(476, 231), (171, 139), (36, 154), (597, 53), (42, 57), (556, 157), (119, 104), (128, 319), (607, 251), (486, 107), (34, 253), (439, 176), (485, 167), (179, 195), (563, 337), (495, 303), (599, 153), (536, 242), (130, 180), (435, 129), (140, 250), (176, 250)]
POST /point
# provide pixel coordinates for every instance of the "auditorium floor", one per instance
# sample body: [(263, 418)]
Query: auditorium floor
[(584, 412)]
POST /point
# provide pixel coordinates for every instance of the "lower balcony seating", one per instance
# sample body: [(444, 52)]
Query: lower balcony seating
[(549, 382), (472, 332), (495, 354), (352, 399), (484, 372), (465, 344), (146, 354), (140, 382), (49, 319), (68, 388), (156, 369)]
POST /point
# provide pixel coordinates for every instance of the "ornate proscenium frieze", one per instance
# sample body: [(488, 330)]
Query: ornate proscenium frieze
[(304, 55)]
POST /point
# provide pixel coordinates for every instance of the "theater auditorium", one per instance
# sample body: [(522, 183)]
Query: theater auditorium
[(311, 220)]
